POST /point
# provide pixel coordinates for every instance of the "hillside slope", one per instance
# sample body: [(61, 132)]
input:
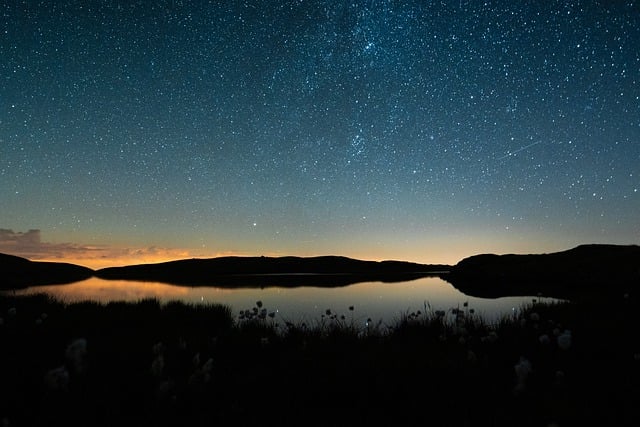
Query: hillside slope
[(585, 269), (295, 271), (17, 272)]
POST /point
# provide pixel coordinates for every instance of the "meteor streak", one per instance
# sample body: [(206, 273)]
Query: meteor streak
[(511, 153)]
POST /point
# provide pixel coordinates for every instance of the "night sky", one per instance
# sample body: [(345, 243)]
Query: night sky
[(418, 130)]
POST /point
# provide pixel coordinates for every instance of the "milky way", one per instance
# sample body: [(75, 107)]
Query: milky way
[(418, 130)]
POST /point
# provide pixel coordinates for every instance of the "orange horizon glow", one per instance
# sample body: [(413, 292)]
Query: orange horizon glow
[(116, 259), (105, 261), (448, 249), (96, 263)]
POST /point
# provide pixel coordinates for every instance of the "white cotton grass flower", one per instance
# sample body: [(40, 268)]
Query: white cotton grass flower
[(196, 360), (57, 379), (206, 370), (208, 365), (522, 370), (157, 366), (182, 343), (534, 317), (76, 354), (564, 340), (158, 348), (544, 339), (492, 337), (202, 374)]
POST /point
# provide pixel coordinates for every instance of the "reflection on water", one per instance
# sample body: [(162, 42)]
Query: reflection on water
[(375, 300)]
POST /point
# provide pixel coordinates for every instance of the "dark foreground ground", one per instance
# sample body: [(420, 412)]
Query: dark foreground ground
[(151, 364)]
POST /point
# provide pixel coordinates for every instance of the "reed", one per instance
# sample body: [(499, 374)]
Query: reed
[(166, 364)]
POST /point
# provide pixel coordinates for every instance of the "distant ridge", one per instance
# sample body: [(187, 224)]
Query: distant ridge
[(17, 272), (288, 270), (593, 269)]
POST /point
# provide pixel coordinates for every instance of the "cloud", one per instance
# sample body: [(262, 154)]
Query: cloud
[(10, 238), (29, 245)]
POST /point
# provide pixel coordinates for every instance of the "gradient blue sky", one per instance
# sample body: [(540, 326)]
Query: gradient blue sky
[(415, 130)]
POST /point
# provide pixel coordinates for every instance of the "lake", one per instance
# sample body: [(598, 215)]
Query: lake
[(385, 302)]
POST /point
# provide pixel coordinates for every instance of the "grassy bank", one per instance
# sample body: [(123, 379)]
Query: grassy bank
[(177, 364)]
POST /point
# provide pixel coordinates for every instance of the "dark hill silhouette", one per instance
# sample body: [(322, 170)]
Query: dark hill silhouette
[(582, 271), (268, 271), (17, 272)]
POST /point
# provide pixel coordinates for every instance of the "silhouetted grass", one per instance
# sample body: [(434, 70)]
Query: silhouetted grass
[(149, 363)]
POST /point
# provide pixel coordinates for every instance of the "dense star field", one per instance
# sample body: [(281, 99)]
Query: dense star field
[(418, 130)]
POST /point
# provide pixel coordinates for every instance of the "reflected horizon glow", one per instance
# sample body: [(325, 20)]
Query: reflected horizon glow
[(384, 302)]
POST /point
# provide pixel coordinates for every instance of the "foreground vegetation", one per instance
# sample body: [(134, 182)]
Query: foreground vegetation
[(175, 364)]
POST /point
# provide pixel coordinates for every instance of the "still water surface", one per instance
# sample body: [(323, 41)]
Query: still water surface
[(385, 302)]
